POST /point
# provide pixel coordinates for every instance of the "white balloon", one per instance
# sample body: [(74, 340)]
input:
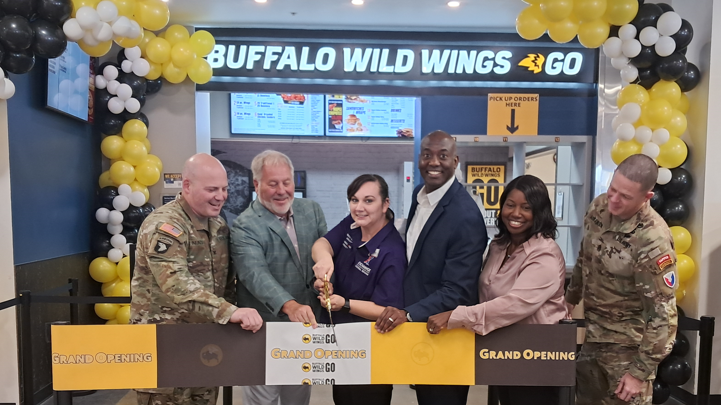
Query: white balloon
[(107, 11), (133, 53), (127, 66), (643, 134), (629, 73), (61, 100), (630, 113), (115, 217), (125, 190), (612, 47), (631, 48), (132, 105), (627, 32), (141, 67), (126, 249), (8, 89), (619, 62), (121, 202), (115, 255), (113, 86), (103, 32), (625, 132), (664, 176), (648, 36), (82, 70), (651, 150), (87, 17), (137, 198), (76, 102), (118, 241), (669, 23), (2, 74), (100, 82), (135, 30), (81, 84), (110, 72), (102, 215), (72, 30), (121, 26), (66, 87), (116, 105), (660, 136), (115, 229), (665, 46), (124, 91), (90, 39)]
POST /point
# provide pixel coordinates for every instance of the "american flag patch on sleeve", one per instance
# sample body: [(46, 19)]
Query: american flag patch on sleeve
[(171, 230)]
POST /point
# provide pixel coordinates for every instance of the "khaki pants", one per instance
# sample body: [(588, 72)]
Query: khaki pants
[(181, 396), (599, 369)]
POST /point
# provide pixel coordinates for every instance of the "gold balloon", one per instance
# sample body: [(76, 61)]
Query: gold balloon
[(83, 3), (593, 34), (563, 31), (104, 180), (202, 43), (200, 71), (530, 23), (122, 172), (107, 288), (124, 268), (589, 10), (96, 51), (147, 173), (681, 239), (177, 33), (669, 91), (158, 50), (678, 123), (623, 149), (112, 146), (556, 10), (182, 55), (135, 186), (621, 12), (147, 37), (680, 292), (656, 113), (106, 311), (673, 153), (123, 315), (102, 270), (130, 42), (156, 161), (683, 103), (134, 152), (125, 7), (632, 93), (112, 322), (134, 130), (152, 15), (685, 267), (174, 74), (122, 289), (146, 142), (156, 70)]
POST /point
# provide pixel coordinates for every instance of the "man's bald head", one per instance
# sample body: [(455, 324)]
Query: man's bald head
[(205, 185), (440, 136), (201, 162)]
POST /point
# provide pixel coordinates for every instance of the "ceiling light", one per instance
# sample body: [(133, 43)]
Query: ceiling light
[(260, 1), (454, 3), (357, 2)]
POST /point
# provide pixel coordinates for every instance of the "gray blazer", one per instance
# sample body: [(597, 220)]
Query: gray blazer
[(270, 273)]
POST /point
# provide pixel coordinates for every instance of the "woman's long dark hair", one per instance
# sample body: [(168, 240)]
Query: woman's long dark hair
[(359, 181), (537, 196)]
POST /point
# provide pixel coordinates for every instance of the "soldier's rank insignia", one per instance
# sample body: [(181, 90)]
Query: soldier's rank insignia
[(664, 261)]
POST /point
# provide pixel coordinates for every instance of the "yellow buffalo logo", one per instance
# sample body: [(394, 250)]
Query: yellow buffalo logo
[(534, 62), (305, 367), (306, 324), (306, 338), (306, 382)]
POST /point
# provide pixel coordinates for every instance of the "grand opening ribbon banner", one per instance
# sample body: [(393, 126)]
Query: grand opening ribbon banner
[(192, 355)]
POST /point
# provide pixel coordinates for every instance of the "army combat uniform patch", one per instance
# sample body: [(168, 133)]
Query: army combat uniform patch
[(163, 244), (664, 261)]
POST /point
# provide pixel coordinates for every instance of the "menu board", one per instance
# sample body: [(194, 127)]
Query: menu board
[(277, 114), (71, 83), (370, 116)]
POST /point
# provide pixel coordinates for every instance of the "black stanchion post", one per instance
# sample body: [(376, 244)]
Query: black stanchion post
[(706, 332), (26, 348), (227, 395), (132, 259), (493, 396), (74, 308)]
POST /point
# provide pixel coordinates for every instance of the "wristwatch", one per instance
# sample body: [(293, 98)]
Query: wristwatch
[(408, 316), (346, 306)]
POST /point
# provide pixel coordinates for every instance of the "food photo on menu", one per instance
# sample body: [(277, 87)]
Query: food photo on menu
[(371, 116)]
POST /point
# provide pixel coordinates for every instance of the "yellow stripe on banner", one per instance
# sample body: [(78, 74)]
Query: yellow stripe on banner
[(410, 355), (104, 357)]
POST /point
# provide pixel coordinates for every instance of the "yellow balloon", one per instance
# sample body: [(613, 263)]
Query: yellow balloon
[(96, 51), (156, 70), (134, 130), (669, 91), (656, 113), (83, 3), (112, 146), (202, 43), (107, 288), (146, 142), (681, 239), (685, 267), (103, 270), (633, 93), (182, 55), (161, 35), (123, 315), (130, 42), (158, 50), (104, 180), (680, 292), (106, 311), (174, 74), (683, 103), (125, 7), (112, 322), (530, 23), (621, 12), (155, 160), (678, 123), (177, 33), (147, 37), (122, 172), (200, 71), (593, 34), (623, 149), (135, 186), (147, 173), (556, 10), (124, 268), (673, 153), (589, 10), (563, 31), (152, 15), (122, 289)]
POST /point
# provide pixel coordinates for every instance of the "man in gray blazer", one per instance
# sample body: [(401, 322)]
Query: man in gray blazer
[(271, 250)]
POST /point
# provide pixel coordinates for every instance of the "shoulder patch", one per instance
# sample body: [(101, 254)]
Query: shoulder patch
[(170, 230), (161, 247), (670, 279), (664, 261)]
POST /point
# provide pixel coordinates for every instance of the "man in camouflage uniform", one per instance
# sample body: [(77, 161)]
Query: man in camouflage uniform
[(181, 269), (626, 275)]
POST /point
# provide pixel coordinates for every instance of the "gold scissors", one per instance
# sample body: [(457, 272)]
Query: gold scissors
[(326, 290)]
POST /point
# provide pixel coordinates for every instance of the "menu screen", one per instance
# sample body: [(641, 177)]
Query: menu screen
[(70, 81), (370, 116), (277, 114)]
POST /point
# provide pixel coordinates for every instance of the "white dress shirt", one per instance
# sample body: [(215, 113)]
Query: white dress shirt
[(427, 202)]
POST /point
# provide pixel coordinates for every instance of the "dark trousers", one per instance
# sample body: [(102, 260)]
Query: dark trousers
[(442, 394), (379, 394), (516, 395)]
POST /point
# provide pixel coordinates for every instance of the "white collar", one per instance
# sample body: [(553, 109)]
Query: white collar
[(435, 196)]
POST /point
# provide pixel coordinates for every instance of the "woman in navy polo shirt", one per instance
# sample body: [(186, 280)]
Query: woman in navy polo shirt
[(366, 256)]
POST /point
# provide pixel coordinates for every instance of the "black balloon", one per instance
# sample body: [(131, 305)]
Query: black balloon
[(131, 234), (56, 11), (133, 216), (661, 392), (148, 208), (690, 79), (674, 370), (640, 3), (2, 53), (665, 7), (16, 34), (111, 124), (23, 8), (647, 16), (18, 62), (681, 345), (50, 41), (101, 245), (106, 196), (144, 118), (675, 212), (647, 77), (137, 84), (684, 35), (658, 198), (646, 58), (141, 99), (121, 57), (102, 96), (679, 185), (153, 86), (672, 67)]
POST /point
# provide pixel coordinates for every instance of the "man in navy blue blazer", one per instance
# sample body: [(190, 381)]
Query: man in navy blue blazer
[(445, 240)]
